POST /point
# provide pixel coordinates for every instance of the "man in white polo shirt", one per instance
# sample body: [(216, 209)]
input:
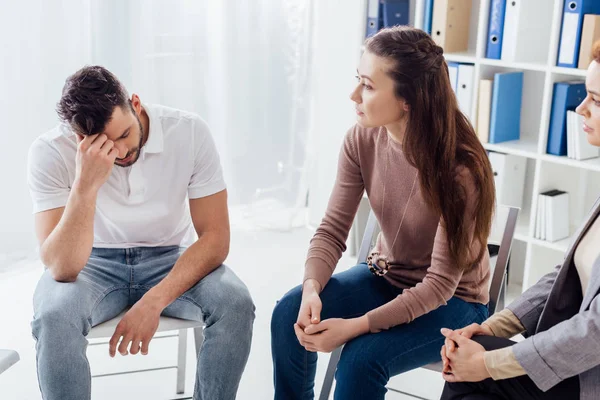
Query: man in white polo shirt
[(120, 190)]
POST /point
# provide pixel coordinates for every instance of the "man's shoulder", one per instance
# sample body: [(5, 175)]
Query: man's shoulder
[(59, 138)]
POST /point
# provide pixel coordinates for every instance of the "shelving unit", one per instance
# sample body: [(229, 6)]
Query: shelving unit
[(544, 171), (532, 258)]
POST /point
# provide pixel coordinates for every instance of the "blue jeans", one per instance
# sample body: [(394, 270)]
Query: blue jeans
[(368, 361), (114, 279)]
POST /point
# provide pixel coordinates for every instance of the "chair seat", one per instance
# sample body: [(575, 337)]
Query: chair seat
[(7, 359), (107, 328), (436, 367)]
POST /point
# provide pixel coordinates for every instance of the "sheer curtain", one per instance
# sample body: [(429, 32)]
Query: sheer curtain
[(242, 65)]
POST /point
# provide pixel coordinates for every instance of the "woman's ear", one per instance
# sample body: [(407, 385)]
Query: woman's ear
[(405, 106)]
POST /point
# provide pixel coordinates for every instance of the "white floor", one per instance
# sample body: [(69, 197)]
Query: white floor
[(270, 263)]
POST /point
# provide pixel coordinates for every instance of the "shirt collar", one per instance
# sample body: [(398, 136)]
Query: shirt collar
[(155, 141)]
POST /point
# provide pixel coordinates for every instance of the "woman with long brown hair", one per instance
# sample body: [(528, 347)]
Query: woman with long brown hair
[(430, 185)]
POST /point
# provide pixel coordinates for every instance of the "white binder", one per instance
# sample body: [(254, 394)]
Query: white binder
[(464, 90), (521, 36), (509, 178), (557, 215)]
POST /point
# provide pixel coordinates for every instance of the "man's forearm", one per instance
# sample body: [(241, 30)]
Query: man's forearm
[(199, 260), (67, 249)]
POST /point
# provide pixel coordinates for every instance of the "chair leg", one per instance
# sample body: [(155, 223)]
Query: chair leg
[(330, 374), (181, 360), (198, 339)]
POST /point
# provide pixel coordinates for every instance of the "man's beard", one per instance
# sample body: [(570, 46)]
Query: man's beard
[(136, 150)]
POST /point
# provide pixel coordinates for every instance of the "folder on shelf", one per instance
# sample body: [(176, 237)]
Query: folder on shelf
[(505, 120), (540, 232), (509, 178), (566, 96), (373, 16), (521, 35), (589, 34), (453, 74), (495, 29), (427, 16), (464, 88), (484, 108), (570, 30), (557, 215), (571, 132), (395, 12), (450, 24)]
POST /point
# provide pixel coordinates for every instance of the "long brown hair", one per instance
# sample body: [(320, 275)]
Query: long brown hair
[(439, 138)]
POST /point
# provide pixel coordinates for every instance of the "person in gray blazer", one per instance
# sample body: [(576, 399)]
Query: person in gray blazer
[(559, 316)]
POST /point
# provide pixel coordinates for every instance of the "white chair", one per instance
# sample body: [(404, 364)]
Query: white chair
[(499, 245), (8, 358), (106, 330)]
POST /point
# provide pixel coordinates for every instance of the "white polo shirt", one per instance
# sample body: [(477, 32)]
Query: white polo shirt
[(143, 205)]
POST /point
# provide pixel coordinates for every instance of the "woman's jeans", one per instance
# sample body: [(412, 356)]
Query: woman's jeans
[(368, 361)]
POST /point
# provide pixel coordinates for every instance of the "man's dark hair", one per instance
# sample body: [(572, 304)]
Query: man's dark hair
[(89, 98)]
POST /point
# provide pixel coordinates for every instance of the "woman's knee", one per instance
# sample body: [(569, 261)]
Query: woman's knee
[(285, 312), (358, 364)]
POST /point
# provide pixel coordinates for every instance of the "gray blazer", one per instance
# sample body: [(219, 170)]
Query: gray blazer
[(562, 325)]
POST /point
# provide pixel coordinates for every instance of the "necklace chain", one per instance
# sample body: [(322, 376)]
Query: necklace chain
[(379, 264)]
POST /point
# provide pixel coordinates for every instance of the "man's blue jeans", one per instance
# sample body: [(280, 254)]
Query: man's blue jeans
[(114, 279), (367, 362)]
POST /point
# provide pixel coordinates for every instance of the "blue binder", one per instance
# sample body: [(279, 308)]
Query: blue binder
[(570, 30), (395, 12), (566, 96), (428, 17), (374, 16), (495, 29), (507, 93)]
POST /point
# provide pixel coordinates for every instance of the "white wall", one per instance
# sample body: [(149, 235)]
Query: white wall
[(34, 62), (339, 33)]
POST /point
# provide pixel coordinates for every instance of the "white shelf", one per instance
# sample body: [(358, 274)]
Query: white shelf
[(569, 71), (592, 164), (464, 57), (524, 147), (514, 65), (561, 245)]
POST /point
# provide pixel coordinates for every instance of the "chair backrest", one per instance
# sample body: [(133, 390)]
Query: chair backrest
[(502, 232)]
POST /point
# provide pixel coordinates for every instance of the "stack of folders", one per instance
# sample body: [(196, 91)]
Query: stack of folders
[(461, 79), (510, 25), (566, 96), (578, 147), (385, 13), (578, 32), (499, 108), (552, 219)]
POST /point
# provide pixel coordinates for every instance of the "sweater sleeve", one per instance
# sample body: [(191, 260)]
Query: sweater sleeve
[(502, 364), (329, 241), (505, 324), (442, 277)]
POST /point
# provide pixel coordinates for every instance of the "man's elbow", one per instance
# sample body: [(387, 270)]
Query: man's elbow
[(61, 272), (63, 277), (222, 253)]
